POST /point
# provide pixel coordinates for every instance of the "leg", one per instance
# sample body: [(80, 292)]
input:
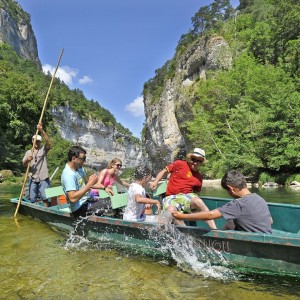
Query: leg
[(33, 191), (171, 209), (197, 203), (44, 184)]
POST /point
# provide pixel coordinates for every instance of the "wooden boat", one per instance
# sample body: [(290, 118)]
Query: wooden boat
[(277, 252)]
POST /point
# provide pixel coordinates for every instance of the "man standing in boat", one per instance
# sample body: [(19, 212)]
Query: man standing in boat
[(248, 212), (38, 172), (184, 185), (77, 187)]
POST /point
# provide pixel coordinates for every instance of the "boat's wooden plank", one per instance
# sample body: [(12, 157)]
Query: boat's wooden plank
[(54, 192), (160, 189), (119, 200)]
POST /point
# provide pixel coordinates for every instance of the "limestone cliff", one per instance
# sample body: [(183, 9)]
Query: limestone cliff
[(103, 143), (164, 134), (16, 30)]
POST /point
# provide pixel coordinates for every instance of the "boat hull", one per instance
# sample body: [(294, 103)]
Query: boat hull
[(277, 252)]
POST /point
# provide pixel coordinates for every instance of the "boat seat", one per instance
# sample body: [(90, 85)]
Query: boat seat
[(103, 194), (160, 189), (119, 200), (56, 194)]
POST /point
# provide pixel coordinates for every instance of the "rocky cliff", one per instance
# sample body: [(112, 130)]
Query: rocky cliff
[(16, 30), (103, 143), (164, 134)]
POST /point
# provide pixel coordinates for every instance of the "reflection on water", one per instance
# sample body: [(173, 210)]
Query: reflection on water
[(35, 263)]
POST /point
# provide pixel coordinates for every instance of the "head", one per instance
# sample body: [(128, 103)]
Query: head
[(142, 174), (196, 158), (233, 181), (77, 155), (115, 163), (38, 139)]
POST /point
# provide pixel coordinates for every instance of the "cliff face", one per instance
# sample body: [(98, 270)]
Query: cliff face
[(164, 133), (102, 143), (17, 32)]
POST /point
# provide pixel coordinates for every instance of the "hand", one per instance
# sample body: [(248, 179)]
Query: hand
[(153, 185), (30, 157), (158, 207), (39, 127), (109, 190), (178, 215), (93, 179)]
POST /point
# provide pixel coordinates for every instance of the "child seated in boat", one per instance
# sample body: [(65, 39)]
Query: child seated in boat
[(248, 212), (137, 199)]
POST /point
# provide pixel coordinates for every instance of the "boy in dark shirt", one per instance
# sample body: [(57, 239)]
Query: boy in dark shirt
[(248, 212)]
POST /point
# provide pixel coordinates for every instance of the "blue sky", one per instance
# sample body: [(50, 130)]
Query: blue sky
[(112, 47)]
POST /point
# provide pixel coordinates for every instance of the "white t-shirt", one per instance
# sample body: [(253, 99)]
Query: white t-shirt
[(134, 211)]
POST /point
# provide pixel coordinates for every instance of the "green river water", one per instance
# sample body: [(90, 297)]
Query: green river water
[(36, 262)]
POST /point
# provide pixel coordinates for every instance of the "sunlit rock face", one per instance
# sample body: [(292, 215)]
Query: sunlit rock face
[(164, 134), (101, 142), (19, 35)]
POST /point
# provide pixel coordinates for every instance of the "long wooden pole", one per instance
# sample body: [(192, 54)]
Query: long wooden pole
[(37, 131)]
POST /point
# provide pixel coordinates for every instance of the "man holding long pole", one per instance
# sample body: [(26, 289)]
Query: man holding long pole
[(38, 170)]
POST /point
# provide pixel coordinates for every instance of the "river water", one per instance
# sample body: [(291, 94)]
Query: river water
[(37, 262)]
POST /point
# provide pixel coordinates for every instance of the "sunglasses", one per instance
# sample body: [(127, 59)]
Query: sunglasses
[(119, 165), (83, 159), (196, 161)]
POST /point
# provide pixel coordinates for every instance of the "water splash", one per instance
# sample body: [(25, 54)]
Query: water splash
[(77, 241), (190, 255)]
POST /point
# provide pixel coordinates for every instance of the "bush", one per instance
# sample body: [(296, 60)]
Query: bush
[(265, 177)]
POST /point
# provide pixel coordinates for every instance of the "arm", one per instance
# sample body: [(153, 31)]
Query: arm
[(159, 176), (26, 160), (122, 182), (75, 196), (139, 199), (202, 215), (98, 184), (45, 135)]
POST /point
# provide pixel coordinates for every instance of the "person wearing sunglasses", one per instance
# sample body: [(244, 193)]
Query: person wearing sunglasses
[(107, 177), (184, 185), (38, 176), (76, 185)]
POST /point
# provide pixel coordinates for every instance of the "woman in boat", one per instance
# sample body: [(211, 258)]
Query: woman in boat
[(248, 212), (107, 177), (137, 198), (184, 184)]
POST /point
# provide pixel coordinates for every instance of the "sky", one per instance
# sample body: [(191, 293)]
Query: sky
[(111, 47)]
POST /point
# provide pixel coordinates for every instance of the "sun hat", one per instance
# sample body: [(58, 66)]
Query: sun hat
[(197, 153), (38, 137)]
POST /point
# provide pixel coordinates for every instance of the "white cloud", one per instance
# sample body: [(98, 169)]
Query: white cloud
[(65, 73), (136, 107), (85, 80)]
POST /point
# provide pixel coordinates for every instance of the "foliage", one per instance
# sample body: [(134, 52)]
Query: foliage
[(249, 119), (23, 87), (246, 117)]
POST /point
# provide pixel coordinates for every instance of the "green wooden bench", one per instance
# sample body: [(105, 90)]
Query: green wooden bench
[(160, 189), (54, 192), (103, 194), (117, 201)]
